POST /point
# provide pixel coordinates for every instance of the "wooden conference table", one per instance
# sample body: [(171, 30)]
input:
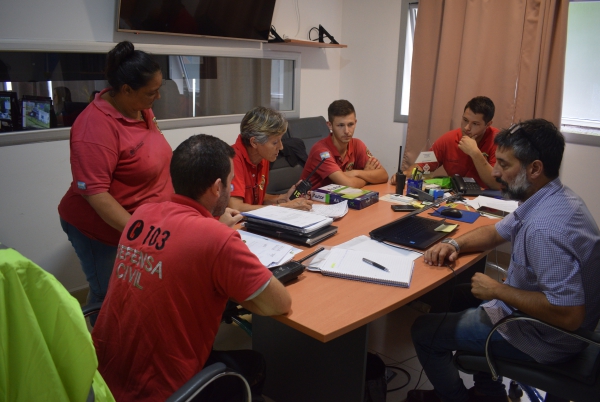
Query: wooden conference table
[(318, 351)]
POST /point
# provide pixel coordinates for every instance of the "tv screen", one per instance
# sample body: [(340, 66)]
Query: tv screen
[(36, 112), (236, 19), (9, 111)]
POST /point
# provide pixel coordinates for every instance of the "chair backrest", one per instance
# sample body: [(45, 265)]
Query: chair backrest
[(309, 129), (282, 175), (47, 350)]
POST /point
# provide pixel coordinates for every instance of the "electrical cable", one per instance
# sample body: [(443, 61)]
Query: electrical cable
[(309, 38), (297, 10), (405, 372)]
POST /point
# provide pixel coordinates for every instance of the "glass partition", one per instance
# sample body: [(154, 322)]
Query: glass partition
[(194, 86)]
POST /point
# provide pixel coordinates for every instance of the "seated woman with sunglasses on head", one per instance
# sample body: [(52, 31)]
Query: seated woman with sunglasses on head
[(258, 144)]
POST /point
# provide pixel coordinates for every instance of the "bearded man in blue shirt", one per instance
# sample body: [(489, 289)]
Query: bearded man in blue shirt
[(553, 274)]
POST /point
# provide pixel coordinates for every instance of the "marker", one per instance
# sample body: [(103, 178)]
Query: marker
[(375, 265)]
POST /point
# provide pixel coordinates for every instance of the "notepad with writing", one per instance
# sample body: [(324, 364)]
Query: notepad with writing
[(348, 264)]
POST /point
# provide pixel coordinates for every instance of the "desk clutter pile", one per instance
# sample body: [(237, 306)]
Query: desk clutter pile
[(299, 227)]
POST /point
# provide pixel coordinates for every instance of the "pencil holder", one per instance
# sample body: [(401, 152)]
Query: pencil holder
[(418, 184)]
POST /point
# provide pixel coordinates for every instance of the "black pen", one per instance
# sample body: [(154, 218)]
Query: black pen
[(373, 263)]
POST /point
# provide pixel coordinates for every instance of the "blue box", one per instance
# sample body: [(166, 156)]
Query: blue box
[(418, 184)]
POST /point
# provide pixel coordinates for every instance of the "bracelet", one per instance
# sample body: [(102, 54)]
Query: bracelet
[(452, 242)]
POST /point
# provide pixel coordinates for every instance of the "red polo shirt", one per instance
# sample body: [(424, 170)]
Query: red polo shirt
[(356, 158), (249, 180), (176, 267), (111, 153), (456, 161)]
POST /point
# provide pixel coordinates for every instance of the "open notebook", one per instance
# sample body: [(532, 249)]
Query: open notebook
[(348, 264)]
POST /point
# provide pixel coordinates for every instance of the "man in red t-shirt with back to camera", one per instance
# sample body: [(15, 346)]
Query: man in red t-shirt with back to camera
[(346, 160), (468, 151), (176, 268)]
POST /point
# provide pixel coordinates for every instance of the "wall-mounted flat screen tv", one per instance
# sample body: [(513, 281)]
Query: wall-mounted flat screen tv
[(234, 19)]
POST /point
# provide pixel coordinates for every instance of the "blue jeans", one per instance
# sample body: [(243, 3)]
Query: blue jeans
[(436, 336), (97, 260)]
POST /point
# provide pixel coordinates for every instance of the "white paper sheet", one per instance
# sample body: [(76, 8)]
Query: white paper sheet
[(270, 252), (334, 211)]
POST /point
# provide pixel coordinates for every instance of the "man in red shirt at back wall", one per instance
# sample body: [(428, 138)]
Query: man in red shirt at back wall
[(469, 151), (347, 161)]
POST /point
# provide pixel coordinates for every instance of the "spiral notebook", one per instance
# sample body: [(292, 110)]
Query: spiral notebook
[(348, 264)]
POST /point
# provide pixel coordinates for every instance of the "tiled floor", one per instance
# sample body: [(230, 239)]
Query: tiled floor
[(389, 337)]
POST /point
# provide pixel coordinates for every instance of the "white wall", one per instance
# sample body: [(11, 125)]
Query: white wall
[(35, 176), (368, 74)]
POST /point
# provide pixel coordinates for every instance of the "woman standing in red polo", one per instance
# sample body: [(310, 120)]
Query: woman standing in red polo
[(119, 161)]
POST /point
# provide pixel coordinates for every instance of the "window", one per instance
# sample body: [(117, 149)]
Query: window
[(198, 89), (581, 97), (405, 52)]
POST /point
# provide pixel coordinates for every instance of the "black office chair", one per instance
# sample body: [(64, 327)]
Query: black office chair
[(575, 380)]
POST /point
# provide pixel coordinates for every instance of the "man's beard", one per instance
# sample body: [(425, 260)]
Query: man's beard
[(519, 189), (222, 203)]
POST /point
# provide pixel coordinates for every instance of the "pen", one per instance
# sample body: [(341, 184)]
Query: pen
[(375, 265)]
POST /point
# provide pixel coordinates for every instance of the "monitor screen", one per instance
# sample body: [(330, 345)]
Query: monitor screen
[(36, 112), (9, 112), (236, 19)]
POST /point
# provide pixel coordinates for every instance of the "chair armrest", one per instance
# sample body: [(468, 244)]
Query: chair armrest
[(585, 335), (197, 382), (91, 309)]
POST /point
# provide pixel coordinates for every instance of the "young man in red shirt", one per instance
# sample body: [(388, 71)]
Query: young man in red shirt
[(469, 151), (347, 161), (176, 268)]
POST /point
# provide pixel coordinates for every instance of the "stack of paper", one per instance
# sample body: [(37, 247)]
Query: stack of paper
[(270, 252), (334, 211), (287, 218), (365, 243)]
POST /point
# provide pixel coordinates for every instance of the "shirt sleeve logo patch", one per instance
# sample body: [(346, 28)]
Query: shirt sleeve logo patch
[(369, 154), (81, 185)]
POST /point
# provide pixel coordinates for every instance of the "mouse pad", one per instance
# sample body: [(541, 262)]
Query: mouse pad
[(467, 216)]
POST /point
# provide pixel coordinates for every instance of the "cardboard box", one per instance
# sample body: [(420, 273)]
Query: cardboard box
[(335, 193)]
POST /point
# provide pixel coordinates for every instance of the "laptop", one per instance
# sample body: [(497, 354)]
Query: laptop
[(410, 231)]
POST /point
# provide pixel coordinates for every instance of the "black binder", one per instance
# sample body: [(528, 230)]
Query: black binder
[(304, 239)]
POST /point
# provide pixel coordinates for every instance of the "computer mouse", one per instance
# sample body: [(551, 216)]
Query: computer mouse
[(451, 213)]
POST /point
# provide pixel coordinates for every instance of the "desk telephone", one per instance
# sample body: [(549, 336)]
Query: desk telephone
[(465, 185)]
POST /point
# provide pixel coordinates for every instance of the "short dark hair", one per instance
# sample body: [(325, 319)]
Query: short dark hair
[(535, 139), (198, 162), (125, 65), (482, 105), (339, 108)]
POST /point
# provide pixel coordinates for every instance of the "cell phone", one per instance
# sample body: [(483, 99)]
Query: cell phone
[(403, 208), (493, 211)]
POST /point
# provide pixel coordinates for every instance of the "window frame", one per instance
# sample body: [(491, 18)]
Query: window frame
[(404, 18), (62, 133)]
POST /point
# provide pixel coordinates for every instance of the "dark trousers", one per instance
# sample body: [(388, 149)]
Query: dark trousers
[(250, 364)]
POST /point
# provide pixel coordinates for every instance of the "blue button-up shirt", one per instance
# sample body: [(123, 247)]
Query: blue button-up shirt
[(556, 251)]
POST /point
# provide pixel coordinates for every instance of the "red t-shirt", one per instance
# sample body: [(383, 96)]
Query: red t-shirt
[(249, 180), (456, 161), (356, 157), (109, 152), (176, 268)]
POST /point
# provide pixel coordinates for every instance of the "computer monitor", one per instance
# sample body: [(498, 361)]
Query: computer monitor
[(9, 111), (36, 112)]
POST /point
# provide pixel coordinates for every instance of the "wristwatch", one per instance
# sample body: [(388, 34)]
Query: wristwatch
[(452, 242)]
